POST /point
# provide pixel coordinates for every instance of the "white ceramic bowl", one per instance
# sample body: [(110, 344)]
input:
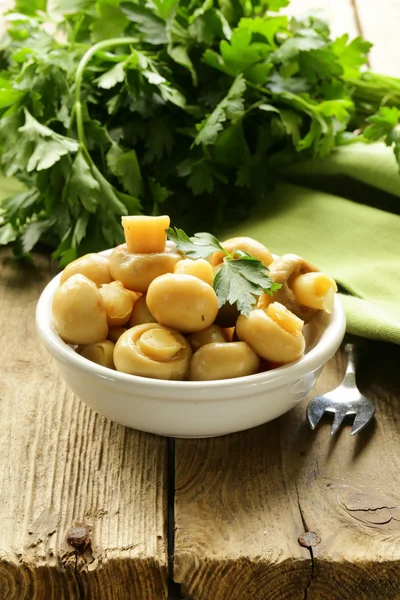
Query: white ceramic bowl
[(192, 408)]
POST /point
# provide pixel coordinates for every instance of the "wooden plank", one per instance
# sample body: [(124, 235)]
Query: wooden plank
[(380, 25), (349, 488), (241, 539), (63, 465), (237, 520), (243, 500)]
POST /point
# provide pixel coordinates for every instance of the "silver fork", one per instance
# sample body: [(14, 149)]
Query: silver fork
[(344, 400)]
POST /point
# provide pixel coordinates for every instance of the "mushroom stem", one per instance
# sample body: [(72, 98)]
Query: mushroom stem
[(315, 290), (144, 234), (286, 319), (159, 344)]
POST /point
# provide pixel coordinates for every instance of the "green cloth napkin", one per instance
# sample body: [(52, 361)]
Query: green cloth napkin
[(353, 240)]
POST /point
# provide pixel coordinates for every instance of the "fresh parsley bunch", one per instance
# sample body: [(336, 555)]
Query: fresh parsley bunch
[(111, 107)]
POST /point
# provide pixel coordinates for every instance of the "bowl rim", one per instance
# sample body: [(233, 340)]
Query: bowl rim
[(317, 356)]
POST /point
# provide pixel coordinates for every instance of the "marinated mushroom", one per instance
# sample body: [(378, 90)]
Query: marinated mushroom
[(284, 270), (140, 313), (274, 334), (118, 302), (130, 312), (79, 312), (137, 271), (100, 353), (198, 268), (151, 350), (223, 361), (211, 335), (246, 244), (182, 302), (315, 290), (94, 266)]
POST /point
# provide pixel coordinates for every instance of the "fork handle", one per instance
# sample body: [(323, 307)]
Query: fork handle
[(350, 350)]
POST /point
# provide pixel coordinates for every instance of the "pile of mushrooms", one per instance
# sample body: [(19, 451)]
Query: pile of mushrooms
[(149, 311)]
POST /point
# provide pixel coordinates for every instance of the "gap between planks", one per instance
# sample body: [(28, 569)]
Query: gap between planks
[(173, 588)]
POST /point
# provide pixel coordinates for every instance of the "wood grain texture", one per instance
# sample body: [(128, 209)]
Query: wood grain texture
[(380, 25), (60, 465), (242, 502)]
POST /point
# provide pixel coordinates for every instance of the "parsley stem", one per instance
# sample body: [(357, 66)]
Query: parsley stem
[(259, 88), (79, 124), (79, 78), (71, 121)]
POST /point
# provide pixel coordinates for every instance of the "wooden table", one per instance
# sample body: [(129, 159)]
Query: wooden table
[(92, 510)]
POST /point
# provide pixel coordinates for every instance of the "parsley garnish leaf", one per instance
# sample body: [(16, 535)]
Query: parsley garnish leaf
[(229, 106), (240, 279), (200, 245)]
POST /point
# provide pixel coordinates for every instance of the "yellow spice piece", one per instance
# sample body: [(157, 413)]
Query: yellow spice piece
[(159, 344), (315, 290), (286, 319), (145, 235), (199, 268)]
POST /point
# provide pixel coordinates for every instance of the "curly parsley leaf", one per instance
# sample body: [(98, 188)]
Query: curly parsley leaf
[(110, 22), (32, 146), (294, 45), (7, 234), (82, 186), (159, 139), (268, 28), (352, 55), (229, 107), (317, 65), (276, 5), (110, 78), (33, 232), (385, 125), (180, 54), (240, 53), (125, 166), (159, 194), (201, 178), (29, 7), (151, 27)]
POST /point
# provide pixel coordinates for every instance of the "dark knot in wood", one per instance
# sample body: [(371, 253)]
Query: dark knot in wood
[(309, 539), (78, 537)]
